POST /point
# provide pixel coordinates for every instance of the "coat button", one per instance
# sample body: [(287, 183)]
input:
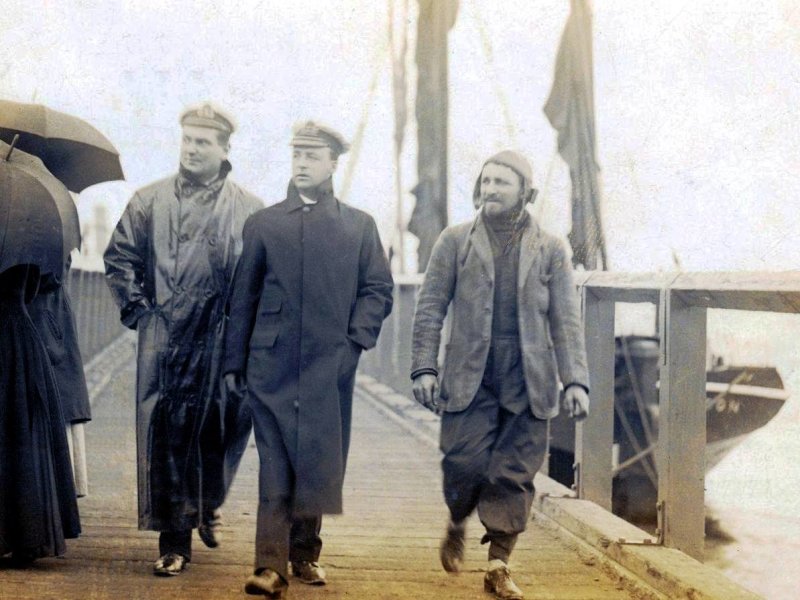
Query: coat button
[(212, 241), (209, 293), (306, 209), (184, 237)]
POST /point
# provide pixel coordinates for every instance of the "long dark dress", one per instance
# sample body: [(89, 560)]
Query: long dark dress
[(38, 507)]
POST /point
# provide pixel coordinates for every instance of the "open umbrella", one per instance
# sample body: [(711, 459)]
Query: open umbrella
[(70, 223), (71, 149), (32, 228)]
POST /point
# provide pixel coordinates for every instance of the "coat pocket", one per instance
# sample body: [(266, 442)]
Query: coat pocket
[(541, 374), (264, 337), (271, 305)]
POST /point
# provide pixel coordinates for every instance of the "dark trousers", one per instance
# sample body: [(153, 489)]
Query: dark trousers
[(179, 542), (280, 537), (492, 450)]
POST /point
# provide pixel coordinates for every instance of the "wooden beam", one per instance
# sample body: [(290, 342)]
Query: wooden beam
[(763, 291), (595, 436), (682, 424), (629, 287)]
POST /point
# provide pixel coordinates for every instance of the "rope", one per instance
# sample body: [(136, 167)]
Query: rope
[(488, 53), (358, 138)]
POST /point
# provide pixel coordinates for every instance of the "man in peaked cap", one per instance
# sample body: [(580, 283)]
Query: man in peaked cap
[(516, 331), (310, 294), (169, 264)]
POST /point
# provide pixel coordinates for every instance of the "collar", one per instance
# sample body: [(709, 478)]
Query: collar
[(326, 199), (190, 180), (307, 200)]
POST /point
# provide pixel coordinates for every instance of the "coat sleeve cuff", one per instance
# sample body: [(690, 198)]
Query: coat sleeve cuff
[(569, 385), (132, 312), (425, 371)]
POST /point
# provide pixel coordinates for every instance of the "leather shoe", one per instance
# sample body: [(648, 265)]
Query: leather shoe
[(451, 551), (498, 581), (210, 529), (266, 583), (309, 572), (170, 564)]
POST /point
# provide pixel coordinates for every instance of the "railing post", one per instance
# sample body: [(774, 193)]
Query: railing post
[(595, 436), (682, 424), (407, 302)]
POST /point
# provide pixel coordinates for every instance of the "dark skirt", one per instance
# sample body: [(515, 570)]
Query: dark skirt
[(38, 506)]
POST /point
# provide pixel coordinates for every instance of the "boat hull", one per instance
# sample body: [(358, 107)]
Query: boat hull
[(739, 400)]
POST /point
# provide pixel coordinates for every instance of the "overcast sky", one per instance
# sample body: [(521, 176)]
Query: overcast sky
[(696, 105)]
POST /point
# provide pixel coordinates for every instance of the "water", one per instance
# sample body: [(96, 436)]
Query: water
[(753, 492)]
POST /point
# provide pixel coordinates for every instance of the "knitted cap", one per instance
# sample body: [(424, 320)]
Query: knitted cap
[(517, 163)]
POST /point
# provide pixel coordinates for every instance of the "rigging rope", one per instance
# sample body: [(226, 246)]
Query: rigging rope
[(358, 138), (488, 53)]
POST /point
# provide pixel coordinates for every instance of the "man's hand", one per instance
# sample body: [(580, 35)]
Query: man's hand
[(576, 402), (235, 385), (426, 390)]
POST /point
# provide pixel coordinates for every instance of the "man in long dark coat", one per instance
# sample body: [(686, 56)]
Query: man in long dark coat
[(169, 264), (311, 292), (515, 332)]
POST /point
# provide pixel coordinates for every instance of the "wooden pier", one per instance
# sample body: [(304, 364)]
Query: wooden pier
[(384, 546)]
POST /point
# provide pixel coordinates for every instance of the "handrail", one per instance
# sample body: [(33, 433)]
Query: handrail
[(682, 300), (96, 313)]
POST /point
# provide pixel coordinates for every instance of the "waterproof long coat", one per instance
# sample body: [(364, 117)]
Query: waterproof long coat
[(461, 272), (169, 265), (312, 289)]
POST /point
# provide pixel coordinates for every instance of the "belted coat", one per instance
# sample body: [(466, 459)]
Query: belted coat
[(169, 264), (461, 271), (311, 291)]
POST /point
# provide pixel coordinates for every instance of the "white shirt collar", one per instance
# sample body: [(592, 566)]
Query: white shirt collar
[(307, 200)]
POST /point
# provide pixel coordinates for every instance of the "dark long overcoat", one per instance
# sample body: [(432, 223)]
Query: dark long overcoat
[(312, 289), (169, 265)]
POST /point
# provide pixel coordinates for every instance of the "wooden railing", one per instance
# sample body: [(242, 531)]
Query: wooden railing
[(96, 314), (682, 301)]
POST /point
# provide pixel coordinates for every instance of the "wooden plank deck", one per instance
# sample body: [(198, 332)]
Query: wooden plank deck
[(384, 546)]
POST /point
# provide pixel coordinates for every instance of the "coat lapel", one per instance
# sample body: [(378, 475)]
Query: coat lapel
[(479, 239), (529, 250)]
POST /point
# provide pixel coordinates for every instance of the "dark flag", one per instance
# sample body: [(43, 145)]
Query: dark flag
[(436, 18), (570, 109)]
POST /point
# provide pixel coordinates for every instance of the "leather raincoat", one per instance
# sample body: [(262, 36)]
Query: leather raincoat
[(169, 265)]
